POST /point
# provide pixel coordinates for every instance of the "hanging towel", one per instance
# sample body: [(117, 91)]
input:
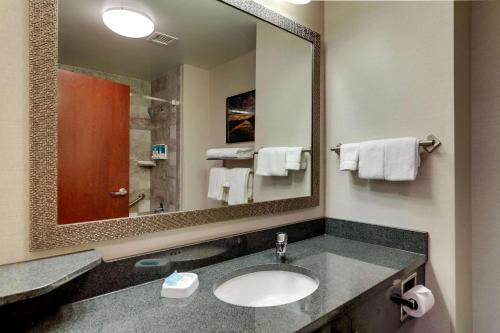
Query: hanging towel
[(241, 152), (295, 159), (240, 186), (217, 180), (371, 159), (272, 162), (401, 159), (349, 156)]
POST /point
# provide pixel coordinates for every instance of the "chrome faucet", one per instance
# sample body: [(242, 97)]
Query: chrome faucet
[(160, 210), (281, 242)]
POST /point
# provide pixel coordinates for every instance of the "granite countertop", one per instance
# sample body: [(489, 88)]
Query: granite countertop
[(346, 270), (34, 278)]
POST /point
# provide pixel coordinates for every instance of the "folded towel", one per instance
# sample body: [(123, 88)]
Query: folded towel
[(240, 186), (217, 179), (250, 187), (349, 156), (371, 159), (401, 159), (272, 162), (242, 152), (295, 159)]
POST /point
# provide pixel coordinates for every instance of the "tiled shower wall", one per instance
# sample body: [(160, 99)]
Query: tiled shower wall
[(140, 133), (165, 129)]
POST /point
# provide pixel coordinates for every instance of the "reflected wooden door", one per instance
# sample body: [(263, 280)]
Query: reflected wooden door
[(93, 148)]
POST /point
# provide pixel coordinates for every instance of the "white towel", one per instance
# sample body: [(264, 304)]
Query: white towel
[(240, 186), (242, 152), (295, 159), (218, 178), (401, 159), (272, 162), (371, 159), (349, 156)]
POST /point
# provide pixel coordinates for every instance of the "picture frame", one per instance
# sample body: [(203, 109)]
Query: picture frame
[(240, 117)]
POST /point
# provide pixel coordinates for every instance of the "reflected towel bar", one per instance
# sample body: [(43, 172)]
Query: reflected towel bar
[(304, 150), (430, 144)]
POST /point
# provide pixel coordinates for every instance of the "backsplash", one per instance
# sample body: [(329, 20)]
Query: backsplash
[(408, 240)]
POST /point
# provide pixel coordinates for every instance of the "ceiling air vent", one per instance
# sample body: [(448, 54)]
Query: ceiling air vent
[(162, 39)]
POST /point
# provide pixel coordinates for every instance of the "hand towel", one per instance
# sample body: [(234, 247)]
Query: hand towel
[(272, 162), (401, 159), (242, 152), (349, 156), (239, 186), (217, 179), (250, 187), (295, 159), (371, 159)]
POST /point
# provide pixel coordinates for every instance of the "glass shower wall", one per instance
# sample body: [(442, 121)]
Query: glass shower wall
[(165, 129)]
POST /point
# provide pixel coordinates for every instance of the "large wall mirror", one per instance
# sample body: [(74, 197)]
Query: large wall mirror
[(162, 114)]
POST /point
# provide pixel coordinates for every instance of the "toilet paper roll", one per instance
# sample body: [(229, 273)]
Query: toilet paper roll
[(424, 298)]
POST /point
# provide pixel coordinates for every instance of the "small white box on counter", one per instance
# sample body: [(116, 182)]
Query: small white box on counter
[(179, 285)]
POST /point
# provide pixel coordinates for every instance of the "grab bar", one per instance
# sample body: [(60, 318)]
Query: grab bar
[(134, 202)]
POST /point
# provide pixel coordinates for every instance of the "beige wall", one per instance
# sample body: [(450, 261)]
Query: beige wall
[(486, 165), (195, 115), (284, 118), (14, 172), (232, 78), (203, 119), (390, 73), (462, 254)]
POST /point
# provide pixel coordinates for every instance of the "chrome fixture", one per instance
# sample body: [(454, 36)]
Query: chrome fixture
[(304, 150), (120, 193), (430, 144), (160, 210), (281, 242), (134, 202)]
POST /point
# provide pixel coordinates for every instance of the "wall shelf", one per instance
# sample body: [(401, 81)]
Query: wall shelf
[(146, 164)]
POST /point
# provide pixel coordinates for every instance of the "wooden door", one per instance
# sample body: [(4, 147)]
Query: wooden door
[(93, 148)]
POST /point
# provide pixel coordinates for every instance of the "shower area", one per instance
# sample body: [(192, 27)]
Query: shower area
[(165, 129), (155, 117)]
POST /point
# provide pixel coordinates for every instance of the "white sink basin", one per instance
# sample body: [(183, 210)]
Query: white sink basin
[(266, 285)]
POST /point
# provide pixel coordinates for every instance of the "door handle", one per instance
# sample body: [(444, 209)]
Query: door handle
[(120, 193)]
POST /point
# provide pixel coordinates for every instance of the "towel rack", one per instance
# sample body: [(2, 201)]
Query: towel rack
[(304, 150), (429, 144), (229, 158)]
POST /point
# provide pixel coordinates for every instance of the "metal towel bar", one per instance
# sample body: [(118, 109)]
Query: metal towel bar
[(304, 150), (430, 144)]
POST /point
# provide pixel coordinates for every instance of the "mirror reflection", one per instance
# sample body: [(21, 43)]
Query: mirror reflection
[(174, 105)]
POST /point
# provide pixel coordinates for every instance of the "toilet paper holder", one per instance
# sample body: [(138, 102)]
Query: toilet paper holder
[(396, 294), (410, 303)]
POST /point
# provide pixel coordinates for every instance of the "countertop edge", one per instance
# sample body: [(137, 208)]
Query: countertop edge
[(41, 290), (325, 319)]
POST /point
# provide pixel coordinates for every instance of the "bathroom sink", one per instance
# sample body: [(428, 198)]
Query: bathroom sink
[(266, 285)]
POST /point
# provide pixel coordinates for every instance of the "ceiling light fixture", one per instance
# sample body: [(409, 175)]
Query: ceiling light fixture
[(299, 2), (128, 22)]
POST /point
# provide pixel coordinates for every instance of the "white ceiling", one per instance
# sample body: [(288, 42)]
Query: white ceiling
[(210, 33)]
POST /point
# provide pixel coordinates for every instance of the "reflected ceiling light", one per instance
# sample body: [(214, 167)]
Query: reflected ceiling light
[(128, 22), (299, 2)]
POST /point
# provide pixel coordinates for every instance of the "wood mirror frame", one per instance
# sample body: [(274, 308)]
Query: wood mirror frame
[(43, 63)]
